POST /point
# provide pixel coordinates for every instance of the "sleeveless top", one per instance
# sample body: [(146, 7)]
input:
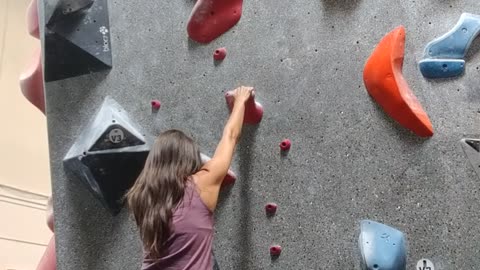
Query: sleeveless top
[(190, 243)]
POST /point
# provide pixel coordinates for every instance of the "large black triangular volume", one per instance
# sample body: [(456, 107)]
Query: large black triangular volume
[(475, 144), (108, 155), (77, 39), (471, 147), (64, 8), (116, 137)]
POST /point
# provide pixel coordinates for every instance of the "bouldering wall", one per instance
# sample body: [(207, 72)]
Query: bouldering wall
[(348, 160)]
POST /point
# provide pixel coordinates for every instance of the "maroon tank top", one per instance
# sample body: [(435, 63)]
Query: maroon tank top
[(190, 244)]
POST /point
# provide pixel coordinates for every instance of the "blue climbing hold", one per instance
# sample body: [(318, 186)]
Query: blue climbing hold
[(381, 247), (442, 68), (439, 53), (455, 43)]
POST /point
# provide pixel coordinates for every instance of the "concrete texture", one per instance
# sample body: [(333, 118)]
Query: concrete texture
[(348, 160)]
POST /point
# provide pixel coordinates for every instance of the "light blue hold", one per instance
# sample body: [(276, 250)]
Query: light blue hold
[(381, 247), (455, 43), (442, 68), (444, 55)]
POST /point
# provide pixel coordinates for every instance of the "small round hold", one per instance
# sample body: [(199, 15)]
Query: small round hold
[(285, 145), (275, 250), (271, 208), (155, 104), (220, 54)]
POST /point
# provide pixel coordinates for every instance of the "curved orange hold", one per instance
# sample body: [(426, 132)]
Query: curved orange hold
[(48, 260), (32, 19), (385, 83), (31, 82)]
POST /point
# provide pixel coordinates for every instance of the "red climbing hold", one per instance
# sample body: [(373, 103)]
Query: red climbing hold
[(48, 260), (229, 178), (253, 109), (220, 54), (285, 145), (155, 104), (211, 18), (275, 250), (32, 19), (31, 82), (271, 208)]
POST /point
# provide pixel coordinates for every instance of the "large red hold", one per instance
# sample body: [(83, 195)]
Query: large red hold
[(229, 179), (32, 19), (253, 109), (211, 18), (31, 82), (385, 83), (48, 260)]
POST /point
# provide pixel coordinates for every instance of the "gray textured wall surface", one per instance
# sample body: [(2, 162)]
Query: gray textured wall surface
[(349, 161)]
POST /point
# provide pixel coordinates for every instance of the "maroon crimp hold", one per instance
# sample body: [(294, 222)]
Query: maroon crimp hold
[(220, 54), (285, 145), (155, 104), (271, 208), (275, 250)]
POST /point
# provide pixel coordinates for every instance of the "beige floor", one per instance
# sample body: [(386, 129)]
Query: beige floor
[(24, 167)]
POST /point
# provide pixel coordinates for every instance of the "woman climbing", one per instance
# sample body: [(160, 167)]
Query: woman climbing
[(174, 197)]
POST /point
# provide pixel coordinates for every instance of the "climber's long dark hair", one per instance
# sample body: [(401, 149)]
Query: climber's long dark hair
[(161, 186)]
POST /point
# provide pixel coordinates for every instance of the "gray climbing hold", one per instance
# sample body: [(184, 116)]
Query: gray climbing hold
[(108, 155), (471, 147), (381, 247), (439, 54)]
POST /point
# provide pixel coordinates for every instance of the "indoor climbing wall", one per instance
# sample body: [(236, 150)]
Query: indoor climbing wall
[(348, 159)]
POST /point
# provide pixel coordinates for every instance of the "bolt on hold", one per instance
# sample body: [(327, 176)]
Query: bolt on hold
[(275, 250), (155, 105), (285, 145), (271, 208)]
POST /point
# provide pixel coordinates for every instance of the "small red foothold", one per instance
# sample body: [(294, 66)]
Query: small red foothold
[(253, 110), (220, 54), (285, 145), (275, 250), (271, 208), (155, 104)]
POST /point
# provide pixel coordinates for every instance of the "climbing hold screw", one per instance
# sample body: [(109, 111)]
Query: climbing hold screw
[(275, 250), (155, 104), (220, 54), (271, 208), (285, 145)]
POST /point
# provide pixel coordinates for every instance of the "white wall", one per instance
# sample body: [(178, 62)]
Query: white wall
[(24, 151)]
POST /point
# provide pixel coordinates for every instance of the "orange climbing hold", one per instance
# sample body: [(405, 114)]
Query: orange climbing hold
[(385, 83), (212, 18)]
